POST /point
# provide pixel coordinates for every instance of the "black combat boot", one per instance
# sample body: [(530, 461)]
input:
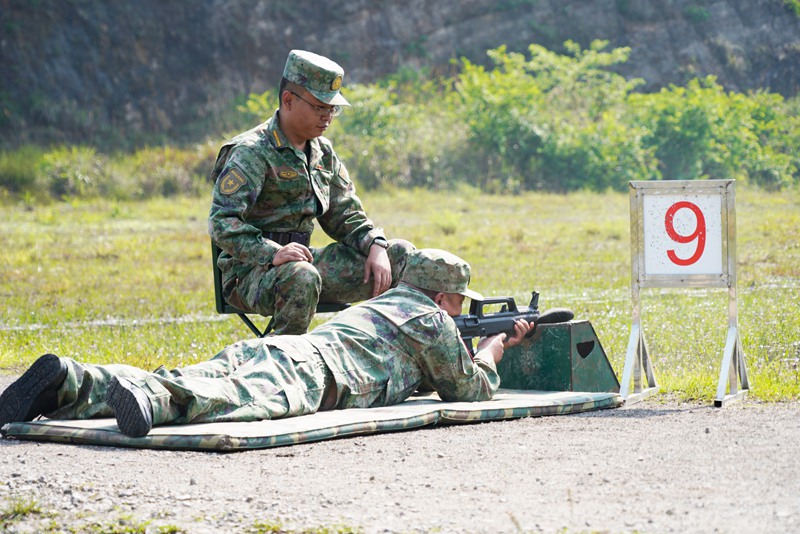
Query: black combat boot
[(131, 407), (35, 392)]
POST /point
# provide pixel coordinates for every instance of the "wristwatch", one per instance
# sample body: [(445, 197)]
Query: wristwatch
[(381, 242)]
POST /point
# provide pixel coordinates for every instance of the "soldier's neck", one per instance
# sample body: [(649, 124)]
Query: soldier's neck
[(299, 141)]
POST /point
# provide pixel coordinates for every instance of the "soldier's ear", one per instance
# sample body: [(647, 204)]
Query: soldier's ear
[(286, 97)]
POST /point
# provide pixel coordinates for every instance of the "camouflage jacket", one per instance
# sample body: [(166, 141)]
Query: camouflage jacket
[(380, 350), (263, 184)]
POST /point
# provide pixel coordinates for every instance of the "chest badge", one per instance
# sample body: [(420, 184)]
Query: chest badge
[(287, 174), (231, 182)]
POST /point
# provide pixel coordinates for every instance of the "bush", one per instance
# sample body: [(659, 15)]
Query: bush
[(387, 140), (18, 170), (700, 131), (553, 122), (545, 121), (62, 173), (163, 171), (73, 172)]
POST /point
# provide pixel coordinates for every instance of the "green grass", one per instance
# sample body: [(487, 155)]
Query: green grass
[(27, 515), (131, 281), (17, 510)]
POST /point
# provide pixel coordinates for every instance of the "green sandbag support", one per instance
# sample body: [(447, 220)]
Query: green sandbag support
[(559, 357)]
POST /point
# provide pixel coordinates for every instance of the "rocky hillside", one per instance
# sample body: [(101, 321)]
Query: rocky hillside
[(74, 70)]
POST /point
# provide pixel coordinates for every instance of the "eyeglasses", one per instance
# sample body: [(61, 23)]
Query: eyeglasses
[(332, 111)]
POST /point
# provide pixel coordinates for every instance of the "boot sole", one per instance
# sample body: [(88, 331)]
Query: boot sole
[(130, 419), (19, 398)]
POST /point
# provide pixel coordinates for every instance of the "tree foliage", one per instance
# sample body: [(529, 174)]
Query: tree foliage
[(562, 122), (536, 121)]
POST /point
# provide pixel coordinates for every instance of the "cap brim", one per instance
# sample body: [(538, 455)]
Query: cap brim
[(339, 100), (333, 99), (474, 295)]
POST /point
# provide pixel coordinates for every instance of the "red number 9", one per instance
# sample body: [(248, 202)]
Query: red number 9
[(699, 232)]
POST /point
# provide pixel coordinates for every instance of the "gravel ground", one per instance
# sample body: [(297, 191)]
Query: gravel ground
[(656, 466)]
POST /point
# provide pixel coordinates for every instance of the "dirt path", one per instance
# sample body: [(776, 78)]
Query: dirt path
[(650, 467)]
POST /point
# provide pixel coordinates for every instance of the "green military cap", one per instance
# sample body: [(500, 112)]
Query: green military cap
[(317, 74), (439, 270)]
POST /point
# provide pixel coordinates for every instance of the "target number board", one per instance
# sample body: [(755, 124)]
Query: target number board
[(682, 233)]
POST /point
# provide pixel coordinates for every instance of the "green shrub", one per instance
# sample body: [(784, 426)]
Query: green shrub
[(18, 170), (678, 128), (700, 131), (542, 121), (259, 107), (603, 155), (163, 171), (553, 122), (401, 133), (75, 171)]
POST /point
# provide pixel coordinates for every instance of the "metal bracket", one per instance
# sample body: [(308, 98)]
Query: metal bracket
[(637, 362), (733, 372)]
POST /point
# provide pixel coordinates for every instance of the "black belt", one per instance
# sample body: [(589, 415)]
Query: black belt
[(284, 238)]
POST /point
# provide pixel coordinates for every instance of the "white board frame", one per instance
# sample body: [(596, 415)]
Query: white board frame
[(733, 383)]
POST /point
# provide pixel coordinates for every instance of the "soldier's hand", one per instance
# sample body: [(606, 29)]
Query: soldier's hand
[(379, 268), (292, 252), (491, 348), (521, 329)]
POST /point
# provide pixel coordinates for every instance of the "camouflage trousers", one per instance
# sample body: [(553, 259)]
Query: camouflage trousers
[(290, 292), (248, 381)]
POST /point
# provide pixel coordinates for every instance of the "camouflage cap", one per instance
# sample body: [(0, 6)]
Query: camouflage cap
[(439, 270), (317, 74)]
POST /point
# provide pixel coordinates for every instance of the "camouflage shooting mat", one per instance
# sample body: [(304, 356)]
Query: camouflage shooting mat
[(418, 411)]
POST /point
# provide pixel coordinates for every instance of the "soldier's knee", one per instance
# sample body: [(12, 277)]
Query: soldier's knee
[(301, 277)]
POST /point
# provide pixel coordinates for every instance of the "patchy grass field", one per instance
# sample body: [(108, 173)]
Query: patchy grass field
[(131, 282)]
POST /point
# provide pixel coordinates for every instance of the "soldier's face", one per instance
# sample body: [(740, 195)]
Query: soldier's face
[(312, 116), (450, 303)]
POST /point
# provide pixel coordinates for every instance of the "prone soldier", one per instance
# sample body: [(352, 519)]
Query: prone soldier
[(376, 353)]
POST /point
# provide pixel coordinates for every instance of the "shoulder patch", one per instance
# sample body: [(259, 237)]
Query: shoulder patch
[(231, 181)]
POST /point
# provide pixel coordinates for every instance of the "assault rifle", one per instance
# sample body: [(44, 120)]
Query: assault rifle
[(479, 324)]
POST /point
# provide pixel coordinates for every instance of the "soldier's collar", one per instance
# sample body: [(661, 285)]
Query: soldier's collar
[(279, 140), (275, 134)]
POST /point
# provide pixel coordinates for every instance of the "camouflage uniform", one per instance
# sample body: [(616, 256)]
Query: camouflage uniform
[(374, 354), (265, 189)]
